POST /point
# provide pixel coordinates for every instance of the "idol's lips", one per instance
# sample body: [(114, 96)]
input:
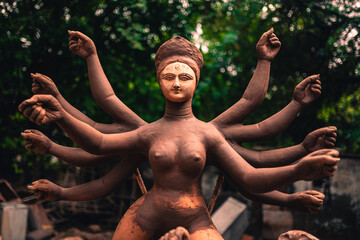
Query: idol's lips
[(176, 90)]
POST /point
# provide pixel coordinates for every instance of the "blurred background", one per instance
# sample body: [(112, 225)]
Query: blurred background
[(318, 37)]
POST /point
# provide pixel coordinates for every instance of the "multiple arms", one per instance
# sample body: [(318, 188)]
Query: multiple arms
[(44, 85), (316, 140), (267, 48), (38, 142), (45, 109), (316, 165)]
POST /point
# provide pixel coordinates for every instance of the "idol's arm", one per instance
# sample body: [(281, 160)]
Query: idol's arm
[(101, 88), (44, 85), (305, 92), (46, 109), (317, 165), (271, 158), (316, 140), (36, 141), (308, 201), (267, 48), (93, 190)]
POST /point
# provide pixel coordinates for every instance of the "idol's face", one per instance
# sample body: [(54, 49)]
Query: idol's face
[(177, 82)]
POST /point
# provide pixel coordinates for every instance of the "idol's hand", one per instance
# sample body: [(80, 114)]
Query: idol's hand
[(43, 85), (307, 201), (297, 235), (268, 46), (179, 233), (81, 45), (36, 141), (46, 190), (316, 165), (319, 139), (42, 109), (308, 90)]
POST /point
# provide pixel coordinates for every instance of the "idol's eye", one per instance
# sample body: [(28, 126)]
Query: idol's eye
[(168, 76), (185, 77)]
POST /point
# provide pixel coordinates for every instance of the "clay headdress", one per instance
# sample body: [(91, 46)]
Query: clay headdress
[(178, 49)]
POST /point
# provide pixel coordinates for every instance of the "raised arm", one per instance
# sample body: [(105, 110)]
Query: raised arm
[(316, 140), (305, 92), (44, 85), (101, 89), (316, 165), (267, 48), (93, 190), (44, 109)]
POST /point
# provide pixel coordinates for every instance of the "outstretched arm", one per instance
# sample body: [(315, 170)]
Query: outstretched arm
[(44, 85), (305, 92), (316, 165), (44, 109), (101, 89), (93, 190), (36, 141), (305, 201), (267, 48), (316, 140)]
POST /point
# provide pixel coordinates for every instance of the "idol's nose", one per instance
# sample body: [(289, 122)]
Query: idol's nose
[(176, 83)]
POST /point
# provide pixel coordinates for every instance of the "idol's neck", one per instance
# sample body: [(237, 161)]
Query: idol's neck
[(175, 109)]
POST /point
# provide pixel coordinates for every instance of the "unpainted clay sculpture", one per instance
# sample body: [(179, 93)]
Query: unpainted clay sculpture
[(178, 145)]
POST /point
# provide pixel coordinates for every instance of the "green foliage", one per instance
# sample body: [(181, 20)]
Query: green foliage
[(345, 114), (316, 36)]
